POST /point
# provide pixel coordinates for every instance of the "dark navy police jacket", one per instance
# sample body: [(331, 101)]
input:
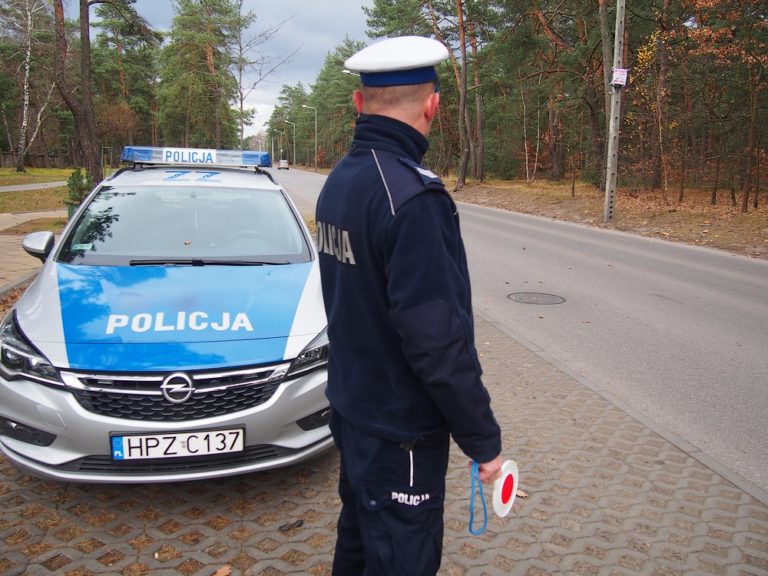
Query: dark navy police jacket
[(397, 295)]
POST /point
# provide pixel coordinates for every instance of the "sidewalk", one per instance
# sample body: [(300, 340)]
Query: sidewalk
[(16, 266), (36, 186), (606, 495)]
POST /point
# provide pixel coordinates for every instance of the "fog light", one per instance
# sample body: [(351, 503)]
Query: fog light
[(316, 420), (25, 433)]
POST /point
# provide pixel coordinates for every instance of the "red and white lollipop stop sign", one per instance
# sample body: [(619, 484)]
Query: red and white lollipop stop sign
[(505, 488)]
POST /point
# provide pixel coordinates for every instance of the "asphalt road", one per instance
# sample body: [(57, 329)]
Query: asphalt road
[(303, 186), (672, 333)]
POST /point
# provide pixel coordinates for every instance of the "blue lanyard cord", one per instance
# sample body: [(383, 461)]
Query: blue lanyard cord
[(477, 486)]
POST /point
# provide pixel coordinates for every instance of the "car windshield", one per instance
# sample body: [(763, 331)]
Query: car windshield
[(145, 225)]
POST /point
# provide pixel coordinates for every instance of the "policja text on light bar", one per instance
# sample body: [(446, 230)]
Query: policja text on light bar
[(195, 156)]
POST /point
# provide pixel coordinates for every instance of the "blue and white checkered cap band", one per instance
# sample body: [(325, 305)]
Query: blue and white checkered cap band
[(399, 77)]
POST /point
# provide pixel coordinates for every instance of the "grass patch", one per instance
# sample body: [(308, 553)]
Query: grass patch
[(33, 200), (9, 176)]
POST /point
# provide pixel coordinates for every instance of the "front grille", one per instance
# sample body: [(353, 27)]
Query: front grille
[(251, 455), (139, 396)]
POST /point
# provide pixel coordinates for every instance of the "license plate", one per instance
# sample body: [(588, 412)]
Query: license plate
[(177, 445)]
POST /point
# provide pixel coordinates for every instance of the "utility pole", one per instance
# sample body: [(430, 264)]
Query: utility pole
[(617, 84)]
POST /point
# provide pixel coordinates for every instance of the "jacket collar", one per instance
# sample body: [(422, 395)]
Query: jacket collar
[(377, 132)]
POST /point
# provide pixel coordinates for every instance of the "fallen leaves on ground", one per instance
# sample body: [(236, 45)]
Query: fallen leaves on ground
[(647, 213)]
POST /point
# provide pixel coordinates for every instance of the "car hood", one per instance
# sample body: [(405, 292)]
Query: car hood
[(169, 317)]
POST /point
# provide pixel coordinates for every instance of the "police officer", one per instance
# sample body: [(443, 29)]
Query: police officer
[(403, 370)]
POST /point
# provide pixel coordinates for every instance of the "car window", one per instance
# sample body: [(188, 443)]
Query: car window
[(128, 223)]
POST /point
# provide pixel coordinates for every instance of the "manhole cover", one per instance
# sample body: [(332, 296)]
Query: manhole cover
[(536, 298)]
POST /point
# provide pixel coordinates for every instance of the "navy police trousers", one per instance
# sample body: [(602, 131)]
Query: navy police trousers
[(392, 494)]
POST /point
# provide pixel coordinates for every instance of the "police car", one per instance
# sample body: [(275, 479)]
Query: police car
[(176, 330)]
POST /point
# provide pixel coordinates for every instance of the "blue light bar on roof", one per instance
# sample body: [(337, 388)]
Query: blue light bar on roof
[(195, 156)]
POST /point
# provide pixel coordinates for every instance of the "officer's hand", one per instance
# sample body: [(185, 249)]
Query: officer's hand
[(490, 471)]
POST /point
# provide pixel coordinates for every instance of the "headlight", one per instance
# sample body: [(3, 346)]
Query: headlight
[(314, 355), (19, 359)]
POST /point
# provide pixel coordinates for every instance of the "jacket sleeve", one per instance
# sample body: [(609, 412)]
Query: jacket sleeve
[(430, 307)]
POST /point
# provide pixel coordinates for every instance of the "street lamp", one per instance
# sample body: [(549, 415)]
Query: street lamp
[(294, 138), (315, 109)]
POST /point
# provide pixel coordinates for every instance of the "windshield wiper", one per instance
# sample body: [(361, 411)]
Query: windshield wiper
[(203, 262)]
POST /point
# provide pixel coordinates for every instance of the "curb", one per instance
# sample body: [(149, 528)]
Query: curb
[(4, 290)]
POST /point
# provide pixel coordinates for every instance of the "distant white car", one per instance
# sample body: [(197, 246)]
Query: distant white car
[(282, 164), (175, 332)]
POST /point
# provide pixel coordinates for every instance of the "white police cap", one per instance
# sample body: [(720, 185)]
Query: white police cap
[(398, 61)]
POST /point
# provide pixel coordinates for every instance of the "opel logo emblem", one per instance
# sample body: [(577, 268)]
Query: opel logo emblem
[(177, 388)]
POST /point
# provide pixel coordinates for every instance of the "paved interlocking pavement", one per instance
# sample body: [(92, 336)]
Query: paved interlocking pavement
[(15, 264), (605, 496)]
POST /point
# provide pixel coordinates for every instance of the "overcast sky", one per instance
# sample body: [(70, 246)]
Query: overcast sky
[(313, 27)]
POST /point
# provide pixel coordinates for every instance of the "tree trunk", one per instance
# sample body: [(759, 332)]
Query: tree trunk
[(39, 118), (750, 144), (555, 142), (683, 167), (756, 195), (525, 131), (538, 130), (460, 77), (7, 127), (461, 173), (572, 157), (187, 116), (713, 199), (82, 109), (593, 156), (154, 122), (121, 68), (217, 125), (661, 162), (605, 37), (25, 101), (596, 154), (479, 148), (686, 144)]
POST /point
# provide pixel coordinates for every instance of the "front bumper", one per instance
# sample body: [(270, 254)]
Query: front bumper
[(276, 435)]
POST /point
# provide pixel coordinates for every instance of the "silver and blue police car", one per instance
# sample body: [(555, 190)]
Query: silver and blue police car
[(176, 330)]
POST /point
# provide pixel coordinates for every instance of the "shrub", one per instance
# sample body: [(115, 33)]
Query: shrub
[(78, 186)]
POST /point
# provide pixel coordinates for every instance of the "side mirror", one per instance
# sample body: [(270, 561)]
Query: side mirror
[(38, 244)]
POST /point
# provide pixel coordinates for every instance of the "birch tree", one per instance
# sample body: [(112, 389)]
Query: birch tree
[(25, 19)]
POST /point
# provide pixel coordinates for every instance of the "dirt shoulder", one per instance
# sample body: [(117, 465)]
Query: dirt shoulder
[(693, 221)]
